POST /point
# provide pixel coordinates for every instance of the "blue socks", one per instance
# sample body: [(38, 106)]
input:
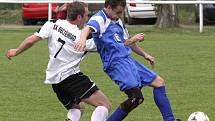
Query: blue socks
[(163, 103), (117, 115)]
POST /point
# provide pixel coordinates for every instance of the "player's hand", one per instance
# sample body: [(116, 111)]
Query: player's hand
[(11, 53), (80, 45), (151, 59), (139, 37)]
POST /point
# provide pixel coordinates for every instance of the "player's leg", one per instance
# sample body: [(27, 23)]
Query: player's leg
[(102, 104), (125, 75), (74, 111), (150, 78), (161, 99), (135, 98), (88, 92), (71, 91)]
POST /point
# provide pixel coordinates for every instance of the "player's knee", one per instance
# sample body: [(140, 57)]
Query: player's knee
[(135, 98), (136, 101), (99, 99), (158, 82), (161, 81), (131, 104)]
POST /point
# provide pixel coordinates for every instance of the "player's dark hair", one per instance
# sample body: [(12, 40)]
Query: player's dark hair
[(74, 9), (115, 3)]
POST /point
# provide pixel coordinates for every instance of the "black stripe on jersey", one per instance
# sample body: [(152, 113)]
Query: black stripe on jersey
[(85, 52), (53, 20), (124, 26), (38, 30)]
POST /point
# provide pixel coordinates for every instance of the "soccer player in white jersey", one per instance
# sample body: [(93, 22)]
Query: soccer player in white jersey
[(115, 46), (63, 73)]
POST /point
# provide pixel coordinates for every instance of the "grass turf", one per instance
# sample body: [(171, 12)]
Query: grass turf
[(185, 59)]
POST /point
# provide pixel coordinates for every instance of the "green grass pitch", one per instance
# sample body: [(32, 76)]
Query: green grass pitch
[(184, 58)]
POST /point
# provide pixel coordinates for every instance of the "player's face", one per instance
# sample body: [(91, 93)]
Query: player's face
[(115, 13), (85, 17)]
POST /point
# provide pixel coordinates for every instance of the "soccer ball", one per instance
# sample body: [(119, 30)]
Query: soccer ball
[(198, 116)]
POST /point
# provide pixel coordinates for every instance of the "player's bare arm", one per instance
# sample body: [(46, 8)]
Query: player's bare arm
[(81, 44), (136, 38), (26, 44), (138, 50)]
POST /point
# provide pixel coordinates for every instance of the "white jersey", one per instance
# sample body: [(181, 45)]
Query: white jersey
[(64, 60)]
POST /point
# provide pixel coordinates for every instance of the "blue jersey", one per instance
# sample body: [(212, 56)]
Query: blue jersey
[(109, 37)]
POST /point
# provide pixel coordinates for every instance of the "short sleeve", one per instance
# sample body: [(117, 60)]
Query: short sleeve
[(45, 30), (95, 23)]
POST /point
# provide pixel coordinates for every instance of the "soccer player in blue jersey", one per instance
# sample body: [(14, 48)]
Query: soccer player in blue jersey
[(114, 46)]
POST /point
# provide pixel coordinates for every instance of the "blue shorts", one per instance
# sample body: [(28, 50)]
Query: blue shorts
[(128, 73)]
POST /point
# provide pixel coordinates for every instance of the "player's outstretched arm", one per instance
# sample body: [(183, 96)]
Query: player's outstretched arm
[(136, 38), (27, 43), (81, 44)]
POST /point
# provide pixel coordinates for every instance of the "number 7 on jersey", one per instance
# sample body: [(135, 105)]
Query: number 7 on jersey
[(62, 42)]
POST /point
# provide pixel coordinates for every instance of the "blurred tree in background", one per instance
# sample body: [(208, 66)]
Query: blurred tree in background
[(10, 6), (10, 13), (167, 16)]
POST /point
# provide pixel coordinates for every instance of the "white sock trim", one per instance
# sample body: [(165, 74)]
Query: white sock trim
[(74, 114), (99, 114)]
